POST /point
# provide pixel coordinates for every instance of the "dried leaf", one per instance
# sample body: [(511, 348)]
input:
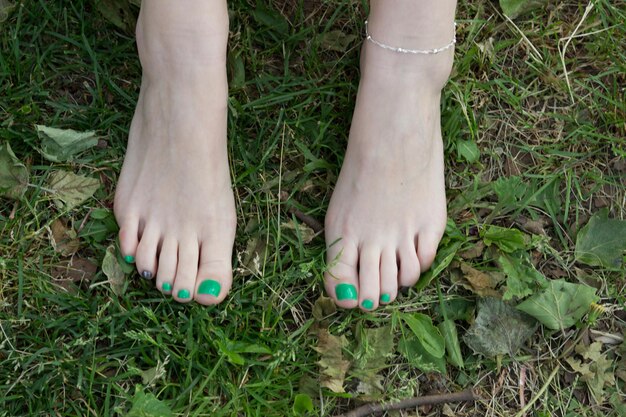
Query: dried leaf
[(60, 145), (305, 233), (63, 239), (332, 364), (113, 271), (602, 242), (479, 282), (70, 190), (118, 13), (13, 174), (76, 269), (324, 307), (6, 7), (595, 369), (561, 304), (499, 329)]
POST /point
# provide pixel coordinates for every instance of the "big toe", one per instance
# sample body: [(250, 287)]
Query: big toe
[(215, 275), (341, 278)]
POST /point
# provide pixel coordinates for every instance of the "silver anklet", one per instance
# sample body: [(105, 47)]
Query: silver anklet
[(411, 51)]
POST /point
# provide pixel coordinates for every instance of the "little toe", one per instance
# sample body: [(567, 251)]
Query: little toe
[(147, 253), (129, 239), (427, 249), (369, 278), (341, 278), (186, 271), (388, 276), (409, 271), (168, 261)]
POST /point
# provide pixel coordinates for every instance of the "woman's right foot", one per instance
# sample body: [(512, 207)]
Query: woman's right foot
[(174, 201)]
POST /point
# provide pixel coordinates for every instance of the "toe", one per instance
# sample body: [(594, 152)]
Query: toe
[(369, 278), (388, 276), (129, 238), (341, 279), (168, 261), (409, 266), (427, 249), (147, 252), (215, 274), (186, 271)]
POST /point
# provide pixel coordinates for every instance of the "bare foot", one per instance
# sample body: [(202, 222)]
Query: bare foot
[(388, 211), (174, 201)]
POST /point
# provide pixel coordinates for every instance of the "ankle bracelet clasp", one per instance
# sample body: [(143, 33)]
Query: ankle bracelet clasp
[(411, 51)]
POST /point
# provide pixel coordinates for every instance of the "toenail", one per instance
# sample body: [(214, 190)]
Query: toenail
[(367, 304), (345, 292), (166, 286), (129, 259), (184, 294), (146, 274), (385, 298), (210, 287)]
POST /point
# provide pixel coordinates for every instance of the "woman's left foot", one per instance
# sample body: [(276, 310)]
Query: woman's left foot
[(388, 211)]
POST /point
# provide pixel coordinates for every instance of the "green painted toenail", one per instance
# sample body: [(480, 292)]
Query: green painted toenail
[(210, 287), (368, 304), (385, 298), (345, 292), (166, 286), (129, 259), (183, 294)]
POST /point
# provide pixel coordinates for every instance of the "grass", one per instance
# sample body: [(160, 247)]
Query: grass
[(76, 348)]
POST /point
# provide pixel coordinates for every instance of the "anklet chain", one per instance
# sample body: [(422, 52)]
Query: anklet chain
[(411, 51)]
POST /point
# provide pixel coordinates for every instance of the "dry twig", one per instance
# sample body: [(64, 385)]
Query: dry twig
[(369, 409)]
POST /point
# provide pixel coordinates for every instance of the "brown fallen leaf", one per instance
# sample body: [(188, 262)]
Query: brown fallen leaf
[(71, 271), (474, 252), (479, 282), (63, 239), (332, 364)]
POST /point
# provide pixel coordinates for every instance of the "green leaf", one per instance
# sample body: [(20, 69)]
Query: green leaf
[(415, 353), (13, 174), (443, 259), (522, 279), (118, 12), (302, 404), (467, 150), (499, 329), (422, 327), (147, 405), (70, 190), (271, 19), (515, 8), (233, 349), (453, 347), (602, 241), (60, 145), (113, 271), (374, 347), (510, 191), (560, 305), (508, 240)]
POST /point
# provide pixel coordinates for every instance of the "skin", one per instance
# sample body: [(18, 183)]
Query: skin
[(387, 213)]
